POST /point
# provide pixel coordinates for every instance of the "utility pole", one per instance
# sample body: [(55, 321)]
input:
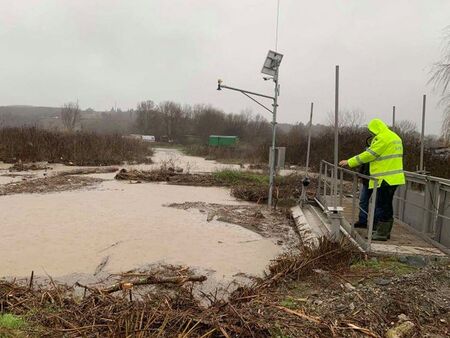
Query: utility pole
[(274, 130), (422, 135), (271, 68)]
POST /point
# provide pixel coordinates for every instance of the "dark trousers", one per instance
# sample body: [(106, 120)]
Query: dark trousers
[(385, 197), (364, 198), (384, 210)]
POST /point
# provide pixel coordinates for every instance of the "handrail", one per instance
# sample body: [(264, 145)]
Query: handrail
[(351, 172), (433, 190), (441, 180)]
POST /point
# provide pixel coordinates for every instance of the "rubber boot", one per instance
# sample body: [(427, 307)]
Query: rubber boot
[(391, 224), (383, 231)]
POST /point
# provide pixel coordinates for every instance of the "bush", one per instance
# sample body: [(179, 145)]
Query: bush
[(31, 144)]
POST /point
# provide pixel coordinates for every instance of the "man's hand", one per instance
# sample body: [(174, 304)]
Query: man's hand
[(343, 163)]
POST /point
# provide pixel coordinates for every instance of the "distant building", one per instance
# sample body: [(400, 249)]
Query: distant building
[(222, 140), (145, 138), (443, 152)]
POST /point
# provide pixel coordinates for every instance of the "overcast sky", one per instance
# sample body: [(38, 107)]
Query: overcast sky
[(107, 52)]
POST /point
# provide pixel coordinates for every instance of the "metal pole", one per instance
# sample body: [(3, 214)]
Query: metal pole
[(309, 138), (319, 183), (354, 187), (303, 195), (422, 135), (274, 129), (371, 215), (393, 116), (336, 138)]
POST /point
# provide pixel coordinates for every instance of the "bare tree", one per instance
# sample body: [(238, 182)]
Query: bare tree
[(440, 78), (173, 115), (406, 127), (70, 115), (349, 119)]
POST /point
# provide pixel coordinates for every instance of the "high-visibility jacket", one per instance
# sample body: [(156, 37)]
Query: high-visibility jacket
[(385, 155)]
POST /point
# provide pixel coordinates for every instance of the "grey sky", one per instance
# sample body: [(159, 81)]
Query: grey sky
[(126, 51)]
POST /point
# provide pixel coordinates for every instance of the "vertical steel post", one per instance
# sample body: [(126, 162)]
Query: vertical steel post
[(325, 182), (336, 137), (309, 138), (341, 183), (319, 184), (274, 129), (393, 116), (303, 195), (422, 135), (354, 187), (371, 215), (427, 206), (405, 195), (437, 201)]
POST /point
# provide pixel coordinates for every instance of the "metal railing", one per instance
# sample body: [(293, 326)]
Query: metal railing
[(423, 204), (333, 201)]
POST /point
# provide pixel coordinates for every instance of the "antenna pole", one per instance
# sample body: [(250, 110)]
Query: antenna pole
[(278, 19)]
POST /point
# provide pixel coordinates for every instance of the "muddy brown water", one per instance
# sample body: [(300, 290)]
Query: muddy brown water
[(67, 234)]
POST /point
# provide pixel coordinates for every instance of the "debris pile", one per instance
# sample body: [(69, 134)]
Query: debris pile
[(20, 166), (48, 184), (169, 175), (325, 292), (87, 171)]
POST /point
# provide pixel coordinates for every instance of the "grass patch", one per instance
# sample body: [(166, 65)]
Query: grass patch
[(232, 177), (383, 265), (11, 322)]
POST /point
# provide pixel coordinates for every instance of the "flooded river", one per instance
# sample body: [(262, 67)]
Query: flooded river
[(68, 234)]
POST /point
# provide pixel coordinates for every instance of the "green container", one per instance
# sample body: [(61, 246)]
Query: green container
[(222, 141)]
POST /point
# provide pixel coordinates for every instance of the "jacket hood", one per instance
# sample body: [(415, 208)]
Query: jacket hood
[(376, 126)]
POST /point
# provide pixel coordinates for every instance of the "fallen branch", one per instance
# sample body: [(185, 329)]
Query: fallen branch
[(152, 280), (363, 330), (85, 171), (313, 319)]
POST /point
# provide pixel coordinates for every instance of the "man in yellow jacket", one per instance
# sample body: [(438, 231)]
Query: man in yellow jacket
[(385, 158)]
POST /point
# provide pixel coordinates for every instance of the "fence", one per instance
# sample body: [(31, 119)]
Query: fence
[(423, 204)]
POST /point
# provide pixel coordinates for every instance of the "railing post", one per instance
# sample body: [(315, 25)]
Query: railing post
[(354, 186), (341, 183), (325, 183), (319, 183), (426, 204), (437, 202), (371, 214), (405, 194)]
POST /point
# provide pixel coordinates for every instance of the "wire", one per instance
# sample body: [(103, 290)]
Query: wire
[(278, 19)]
